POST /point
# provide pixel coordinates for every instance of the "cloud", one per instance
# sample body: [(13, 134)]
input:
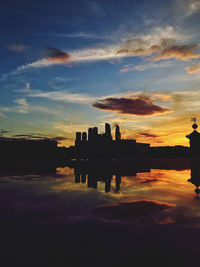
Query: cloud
[(159, 42), (96, 54), (147, 44), (141, 105), (148, 135), (23, 105), (3, 132), (32, 136), (193, 6), (57, 55), (60, 138), (16, 48), (26, 89), (64, 96), (144, 66), (182, 52), (131, 210), (80, 35), (194, 68), (138, 45)]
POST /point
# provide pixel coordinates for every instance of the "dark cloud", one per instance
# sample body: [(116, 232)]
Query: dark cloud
[(149, 135), (30, 136), (131, 210), (57, 54), (2, 132), (40, 136), (60, 138), (140, 105)]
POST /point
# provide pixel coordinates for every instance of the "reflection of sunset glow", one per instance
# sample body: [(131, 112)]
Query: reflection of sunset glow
[(159, 185)]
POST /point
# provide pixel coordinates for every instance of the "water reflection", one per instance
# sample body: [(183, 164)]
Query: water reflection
[(93, 172), (167, 178), (195, 177), (148, 208)]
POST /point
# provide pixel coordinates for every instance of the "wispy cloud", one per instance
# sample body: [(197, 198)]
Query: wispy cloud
[(159, 44), (138, 45), (63, 96), (23, 105), (40, 136), (26, 89), (144, 66), (193, 6), (85, 35), (194, 68), (17, 47)]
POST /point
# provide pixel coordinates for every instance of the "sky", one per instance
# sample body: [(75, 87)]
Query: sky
[(70, 65)]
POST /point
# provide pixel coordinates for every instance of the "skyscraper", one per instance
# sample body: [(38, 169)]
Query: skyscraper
[(108, 130), (117, 133), (78, 138), (84, 136), (94, 131), (89, 134)]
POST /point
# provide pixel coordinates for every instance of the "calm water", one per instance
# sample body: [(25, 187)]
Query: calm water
[(70, 217)]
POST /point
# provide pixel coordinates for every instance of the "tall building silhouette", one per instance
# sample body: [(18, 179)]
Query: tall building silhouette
[(89, 134), (108, 130), (117, 133), (94, 132), (78, 138), (103, 146), (84, 136)]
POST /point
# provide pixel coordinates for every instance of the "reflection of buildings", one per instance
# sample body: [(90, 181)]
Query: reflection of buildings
[(103, 145), (92, 172), (30, 167), (195, 176)]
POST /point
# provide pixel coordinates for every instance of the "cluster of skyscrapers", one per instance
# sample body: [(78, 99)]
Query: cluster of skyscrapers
[(94, 144), (93, 135)]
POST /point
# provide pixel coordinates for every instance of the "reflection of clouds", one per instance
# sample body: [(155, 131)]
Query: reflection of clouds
[(65, 172), (162, 185), (135, 210), (58, 199)]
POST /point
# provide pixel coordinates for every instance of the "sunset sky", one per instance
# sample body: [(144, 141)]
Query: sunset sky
[(69, 65)]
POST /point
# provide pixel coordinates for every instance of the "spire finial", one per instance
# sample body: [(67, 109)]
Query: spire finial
[(194, 119), (194, 125)]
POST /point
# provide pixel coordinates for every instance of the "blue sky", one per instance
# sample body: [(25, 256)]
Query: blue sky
[(68, 65)]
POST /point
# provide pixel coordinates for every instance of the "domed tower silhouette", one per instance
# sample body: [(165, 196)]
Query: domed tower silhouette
[(194, 138), (195, 176)]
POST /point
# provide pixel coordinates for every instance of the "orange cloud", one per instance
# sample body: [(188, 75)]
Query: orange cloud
[(183, 52), (57, 55), (194, 68)]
